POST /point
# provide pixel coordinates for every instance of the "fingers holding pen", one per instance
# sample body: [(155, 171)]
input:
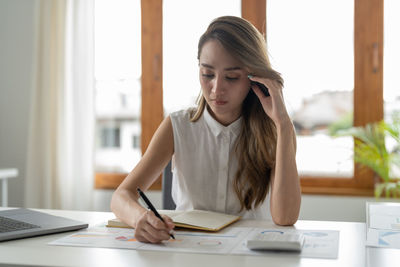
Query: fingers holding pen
[(169, 222), (143, 231), (163, 226), (166, 225), (151, 229)]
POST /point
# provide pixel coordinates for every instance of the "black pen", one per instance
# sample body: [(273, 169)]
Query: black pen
[(151, 207)]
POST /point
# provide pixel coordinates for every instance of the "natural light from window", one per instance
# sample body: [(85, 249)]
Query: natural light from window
[(391, 78), (313, 49), (117, 92), (308, 44)]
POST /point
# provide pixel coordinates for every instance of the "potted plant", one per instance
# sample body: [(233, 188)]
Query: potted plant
[(377, 146)]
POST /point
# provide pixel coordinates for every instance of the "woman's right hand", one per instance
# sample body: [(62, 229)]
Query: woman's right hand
[(151, 229)]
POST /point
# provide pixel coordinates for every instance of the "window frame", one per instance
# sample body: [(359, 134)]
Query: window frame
[(368, 88)]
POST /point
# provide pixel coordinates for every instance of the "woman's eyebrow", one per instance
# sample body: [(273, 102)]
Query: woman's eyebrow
[(233, 68), (212, 67), (207, 66)]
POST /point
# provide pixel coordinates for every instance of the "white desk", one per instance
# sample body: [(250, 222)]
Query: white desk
[(35, 251)]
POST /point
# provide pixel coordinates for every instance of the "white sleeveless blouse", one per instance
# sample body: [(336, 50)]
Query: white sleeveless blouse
[(204, 166)]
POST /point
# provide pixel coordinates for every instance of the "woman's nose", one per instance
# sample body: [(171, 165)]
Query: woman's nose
[(218, 87)]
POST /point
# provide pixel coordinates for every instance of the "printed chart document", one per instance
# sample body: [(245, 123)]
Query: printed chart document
[(230, 240), (383, 224), (193, 219)]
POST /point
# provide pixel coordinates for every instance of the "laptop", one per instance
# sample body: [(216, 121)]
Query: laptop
[(21, 223)]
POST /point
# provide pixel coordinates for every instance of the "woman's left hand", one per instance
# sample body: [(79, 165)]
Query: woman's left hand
[(274, 105)]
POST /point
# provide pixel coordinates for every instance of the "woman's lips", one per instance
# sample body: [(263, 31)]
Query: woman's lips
[(220, 102)]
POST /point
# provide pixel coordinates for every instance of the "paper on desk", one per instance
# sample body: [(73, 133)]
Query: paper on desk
[(185, 241), (383, 225), (384, 216), (383, 238), (318, 244)]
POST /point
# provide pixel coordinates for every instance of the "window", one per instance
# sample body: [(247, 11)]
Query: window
[(110, 137), (313, 50), (362, 72), (391, 61), (367, 95), (392, 58), (117, 74), (136, 142)]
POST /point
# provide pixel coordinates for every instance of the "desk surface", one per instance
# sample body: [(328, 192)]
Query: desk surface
[(35, 251)]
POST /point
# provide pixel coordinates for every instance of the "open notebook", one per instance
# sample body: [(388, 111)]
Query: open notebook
[(193, 219)]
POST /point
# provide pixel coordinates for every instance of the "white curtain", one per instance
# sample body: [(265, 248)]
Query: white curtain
[(60, 147)]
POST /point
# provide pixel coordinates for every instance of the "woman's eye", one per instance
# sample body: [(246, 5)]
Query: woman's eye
[(232, 78), (209, 76)]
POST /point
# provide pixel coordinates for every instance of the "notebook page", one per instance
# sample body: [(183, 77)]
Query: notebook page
[(205, 219)]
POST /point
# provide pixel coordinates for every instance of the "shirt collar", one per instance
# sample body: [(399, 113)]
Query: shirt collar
[(217, 128)]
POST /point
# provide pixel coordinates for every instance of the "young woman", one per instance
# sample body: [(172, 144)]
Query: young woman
[(234, 153)]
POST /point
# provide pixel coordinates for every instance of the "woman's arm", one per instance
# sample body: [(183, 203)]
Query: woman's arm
[(124, 203), (285, 185)]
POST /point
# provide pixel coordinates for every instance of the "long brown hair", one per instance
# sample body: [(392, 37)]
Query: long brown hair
[(256, 143)]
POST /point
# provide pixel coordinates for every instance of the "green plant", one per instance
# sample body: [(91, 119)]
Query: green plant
[(371, 150), (343, 123)]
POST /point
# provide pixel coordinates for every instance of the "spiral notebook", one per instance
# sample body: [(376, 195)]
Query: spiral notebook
[(193, 219)]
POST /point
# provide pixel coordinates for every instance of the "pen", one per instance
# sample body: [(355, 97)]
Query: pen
[(151, 207)]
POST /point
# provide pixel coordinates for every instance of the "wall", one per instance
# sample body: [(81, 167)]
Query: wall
[(333, 208), (16, 68)]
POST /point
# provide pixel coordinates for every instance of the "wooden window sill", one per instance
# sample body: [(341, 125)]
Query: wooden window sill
[(113, 180), (309, 185)]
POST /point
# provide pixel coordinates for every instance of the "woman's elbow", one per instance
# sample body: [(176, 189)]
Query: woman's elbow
[(114, 201), (285, 221), (287, 218)]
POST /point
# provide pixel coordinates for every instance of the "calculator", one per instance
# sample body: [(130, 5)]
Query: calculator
[(276, 241)]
